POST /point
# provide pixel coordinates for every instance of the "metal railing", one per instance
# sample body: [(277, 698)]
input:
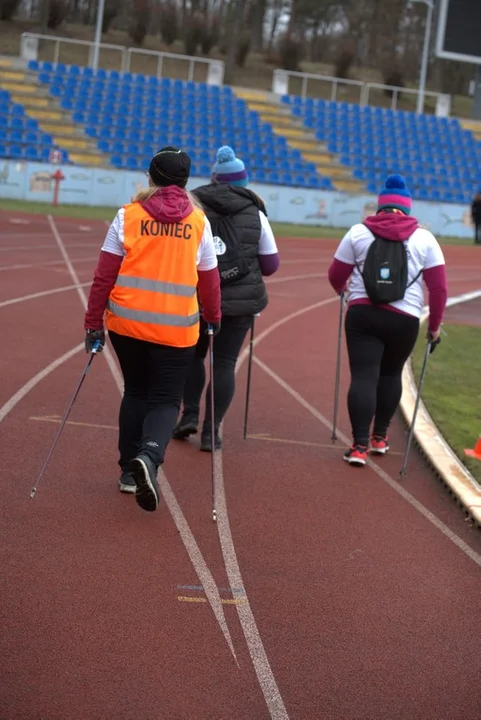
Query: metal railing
[(396, 91), (281, 78), (213, 66), (280, 83), (29, 49)]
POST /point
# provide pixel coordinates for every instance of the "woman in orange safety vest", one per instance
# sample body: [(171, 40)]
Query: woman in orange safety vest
[(157, 254)]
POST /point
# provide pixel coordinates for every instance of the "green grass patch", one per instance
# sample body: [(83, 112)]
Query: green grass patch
[(281, 230), (452, 391), (85, 212)]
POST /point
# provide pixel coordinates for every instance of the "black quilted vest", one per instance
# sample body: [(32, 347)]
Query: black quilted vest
[(249, 295)]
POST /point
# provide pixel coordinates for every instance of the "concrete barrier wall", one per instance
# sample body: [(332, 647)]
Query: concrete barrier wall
[(112, 188)]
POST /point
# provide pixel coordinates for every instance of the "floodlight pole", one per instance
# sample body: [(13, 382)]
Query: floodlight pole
[(425, 58), (98, 34)]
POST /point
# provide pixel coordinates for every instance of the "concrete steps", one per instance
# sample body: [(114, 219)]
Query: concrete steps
[(474, 126), (283, 123), (52, 119)]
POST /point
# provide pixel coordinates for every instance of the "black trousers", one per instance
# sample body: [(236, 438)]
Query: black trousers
[(227, 346), (154, 377), (378, 343), (477, 233)]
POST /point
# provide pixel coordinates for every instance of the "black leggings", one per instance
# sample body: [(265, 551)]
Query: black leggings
[(477, 232), (227, 345), (154, 377), (378, 343)]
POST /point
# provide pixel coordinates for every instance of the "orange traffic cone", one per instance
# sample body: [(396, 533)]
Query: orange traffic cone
[(476, 453)]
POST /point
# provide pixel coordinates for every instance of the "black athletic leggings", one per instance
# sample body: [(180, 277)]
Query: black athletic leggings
[(154, 377), (378, 343), (227, 346), (477, 232)]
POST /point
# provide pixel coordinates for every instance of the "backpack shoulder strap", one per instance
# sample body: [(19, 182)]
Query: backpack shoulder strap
[(376, 237)]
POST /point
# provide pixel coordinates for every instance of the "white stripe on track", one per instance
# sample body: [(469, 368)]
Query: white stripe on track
[(260, 661), (44, 293), (41, 265), (288, 278), (25, 389), (83, 299), (397, 487), (195, 555), (444, 529), (18, 248)]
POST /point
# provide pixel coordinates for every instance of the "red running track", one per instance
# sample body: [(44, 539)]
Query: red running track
[(323, 592)]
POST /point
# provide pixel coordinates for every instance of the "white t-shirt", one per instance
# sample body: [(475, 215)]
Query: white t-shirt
[(267, 242), (114, 243), (423, 251)]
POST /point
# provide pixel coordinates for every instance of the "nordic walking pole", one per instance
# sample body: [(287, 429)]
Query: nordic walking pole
[(62, 424), (338, 370), (249, 370), (210, 332), (429, 349)]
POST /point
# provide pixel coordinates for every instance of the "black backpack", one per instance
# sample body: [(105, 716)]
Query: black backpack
[(233, 264), (385, 271)]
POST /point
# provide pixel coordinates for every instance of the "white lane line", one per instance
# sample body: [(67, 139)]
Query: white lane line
[(195, 555), (20, 394), (288, 278), (83, 299), (18, 248), (200, 566), (44, 293), (260, 661), (306, 261), (40, 265), (444, 529)]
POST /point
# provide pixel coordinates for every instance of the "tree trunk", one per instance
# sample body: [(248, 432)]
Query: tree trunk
[(260, 8), (233, 32), (44, 12)]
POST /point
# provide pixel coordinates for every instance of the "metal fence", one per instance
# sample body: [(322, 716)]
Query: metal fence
[(34, 46), (287, 82)]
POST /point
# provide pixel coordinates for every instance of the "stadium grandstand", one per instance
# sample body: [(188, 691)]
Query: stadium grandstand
[(113, 119)]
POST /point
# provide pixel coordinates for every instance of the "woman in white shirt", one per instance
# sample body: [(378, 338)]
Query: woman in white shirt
[(380, 337), (246, 251)]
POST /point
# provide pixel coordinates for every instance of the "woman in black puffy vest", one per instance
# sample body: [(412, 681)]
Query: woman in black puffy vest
[(476, 217), (246, 251)]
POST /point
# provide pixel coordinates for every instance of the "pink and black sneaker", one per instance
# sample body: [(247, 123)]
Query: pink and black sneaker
[(379, 445), (356, 455)]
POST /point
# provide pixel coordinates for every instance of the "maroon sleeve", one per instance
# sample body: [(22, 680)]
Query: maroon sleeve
[(269, 264), (338, 275), (105, 276), (437, 285), (209, 294)]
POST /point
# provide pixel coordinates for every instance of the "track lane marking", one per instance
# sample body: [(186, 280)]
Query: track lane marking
[(43, 293), (188, 539), (397, 487)]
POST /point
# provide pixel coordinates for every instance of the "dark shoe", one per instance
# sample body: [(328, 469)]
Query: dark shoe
[(186, 426), (206, 441), (145, 476), (127, 483)]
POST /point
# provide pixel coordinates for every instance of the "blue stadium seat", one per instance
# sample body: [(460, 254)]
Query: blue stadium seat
[(131, 115)]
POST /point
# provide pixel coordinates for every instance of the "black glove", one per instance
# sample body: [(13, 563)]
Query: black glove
[(434, 344), (92, 337), (215, 326)]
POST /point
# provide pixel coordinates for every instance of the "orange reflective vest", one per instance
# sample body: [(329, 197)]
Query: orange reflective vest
[(154, 297)]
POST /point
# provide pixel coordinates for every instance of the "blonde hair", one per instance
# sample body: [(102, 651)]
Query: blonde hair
[(146, 193)]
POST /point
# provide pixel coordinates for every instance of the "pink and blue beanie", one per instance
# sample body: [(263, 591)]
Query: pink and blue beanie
[(228, 168), (395, 195)]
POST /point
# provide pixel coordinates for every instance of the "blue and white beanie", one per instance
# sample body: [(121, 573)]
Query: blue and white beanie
[(228, 168)]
